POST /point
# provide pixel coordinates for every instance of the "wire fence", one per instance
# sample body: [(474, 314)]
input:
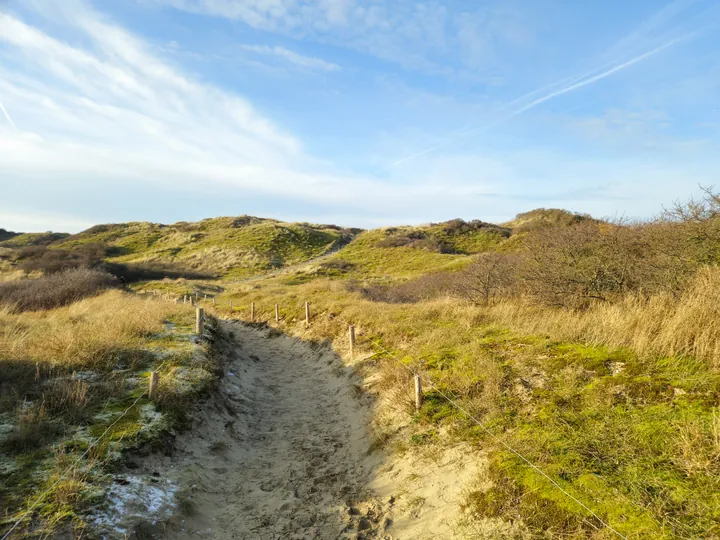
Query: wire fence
[(62, 477), (430, 383)]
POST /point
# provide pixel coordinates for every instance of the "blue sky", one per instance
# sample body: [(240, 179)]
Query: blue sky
[(361, 113)]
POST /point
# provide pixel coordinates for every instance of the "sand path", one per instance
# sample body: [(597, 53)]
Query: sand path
[(283, 451)]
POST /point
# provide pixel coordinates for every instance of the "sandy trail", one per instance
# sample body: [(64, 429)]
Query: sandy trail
[(283, 450)]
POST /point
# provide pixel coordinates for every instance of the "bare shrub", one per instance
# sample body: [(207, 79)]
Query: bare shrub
[(54, 290), (700, 231), (415, 240), (542, 218), (574, 266), (423, 288), (460, 227), (490, 276), (50, 261)]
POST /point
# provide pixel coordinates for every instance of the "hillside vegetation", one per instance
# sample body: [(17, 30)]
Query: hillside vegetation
[(220, 247), (593, 348), (73, 382), (590, 347)]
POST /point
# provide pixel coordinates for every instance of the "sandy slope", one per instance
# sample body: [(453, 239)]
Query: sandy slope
[(283, 451)]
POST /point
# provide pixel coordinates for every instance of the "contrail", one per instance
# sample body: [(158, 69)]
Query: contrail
[(596, 78), (8, 117), (582, 81)]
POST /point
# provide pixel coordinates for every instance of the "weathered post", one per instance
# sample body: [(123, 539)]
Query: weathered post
[(307, 313), (154, 378), (230, 305), (277, 313), (213, 300), (418, 393), (199, 321), (352, 341), (252, 311), (185, 299)]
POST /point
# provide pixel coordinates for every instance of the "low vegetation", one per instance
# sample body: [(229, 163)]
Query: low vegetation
[(591, 347), (74, 365), (228, 247), (54, 290)]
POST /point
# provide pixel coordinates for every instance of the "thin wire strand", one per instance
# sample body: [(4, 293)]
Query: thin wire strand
[(499, 440), (62, 477)]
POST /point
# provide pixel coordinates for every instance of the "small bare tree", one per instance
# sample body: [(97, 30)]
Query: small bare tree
[(490, 275)]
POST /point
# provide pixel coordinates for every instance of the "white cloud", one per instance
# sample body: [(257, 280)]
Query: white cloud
[(417, 35), (102, 107), (41, 222), (292, 57)]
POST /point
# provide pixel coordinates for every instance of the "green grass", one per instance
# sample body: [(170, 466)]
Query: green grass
[(232, 247), (635, 439), (114, 408), (372, 261), (32, 239)]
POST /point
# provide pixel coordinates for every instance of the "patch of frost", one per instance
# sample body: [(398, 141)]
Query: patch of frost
[(132, 499)]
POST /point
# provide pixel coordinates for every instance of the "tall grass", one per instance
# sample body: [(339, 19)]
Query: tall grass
[(92, 333), (618, 403), (660, 325), (54, 290)]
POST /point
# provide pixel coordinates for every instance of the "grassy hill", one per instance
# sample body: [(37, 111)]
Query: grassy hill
[(399, 252), (617, 400), (545, 217), (231, 247), (10, 239)]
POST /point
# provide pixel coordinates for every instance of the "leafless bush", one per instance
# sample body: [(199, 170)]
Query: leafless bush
[(542, 218), (699, 237), (414, 239), (50, 261), (490, 276), (54, 290), (459, 227), (572, 266), (423, 288)]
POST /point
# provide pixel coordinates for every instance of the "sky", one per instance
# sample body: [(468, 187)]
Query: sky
[(361, 113)]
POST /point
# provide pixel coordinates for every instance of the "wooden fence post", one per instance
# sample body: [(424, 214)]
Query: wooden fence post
[(277, 313), (230, 305), (352, 341), (307, 313), (213, 300), (154, 378), (199, 321), (252, 311), (418, 393), (185, 299)]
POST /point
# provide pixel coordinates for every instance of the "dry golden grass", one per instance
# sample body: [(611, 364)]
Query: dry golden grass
[(62, 372), (662, 325), (93, 333), (618, 403)]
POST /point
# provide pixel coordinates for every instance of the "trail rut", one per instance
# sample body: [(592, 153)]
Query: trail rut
[(283, 451)]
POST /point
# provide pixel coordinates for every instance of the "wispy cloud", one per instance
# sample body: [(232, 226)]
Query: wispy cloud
[(297, 59), (419, 35), (7, 116), (586, 81)]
